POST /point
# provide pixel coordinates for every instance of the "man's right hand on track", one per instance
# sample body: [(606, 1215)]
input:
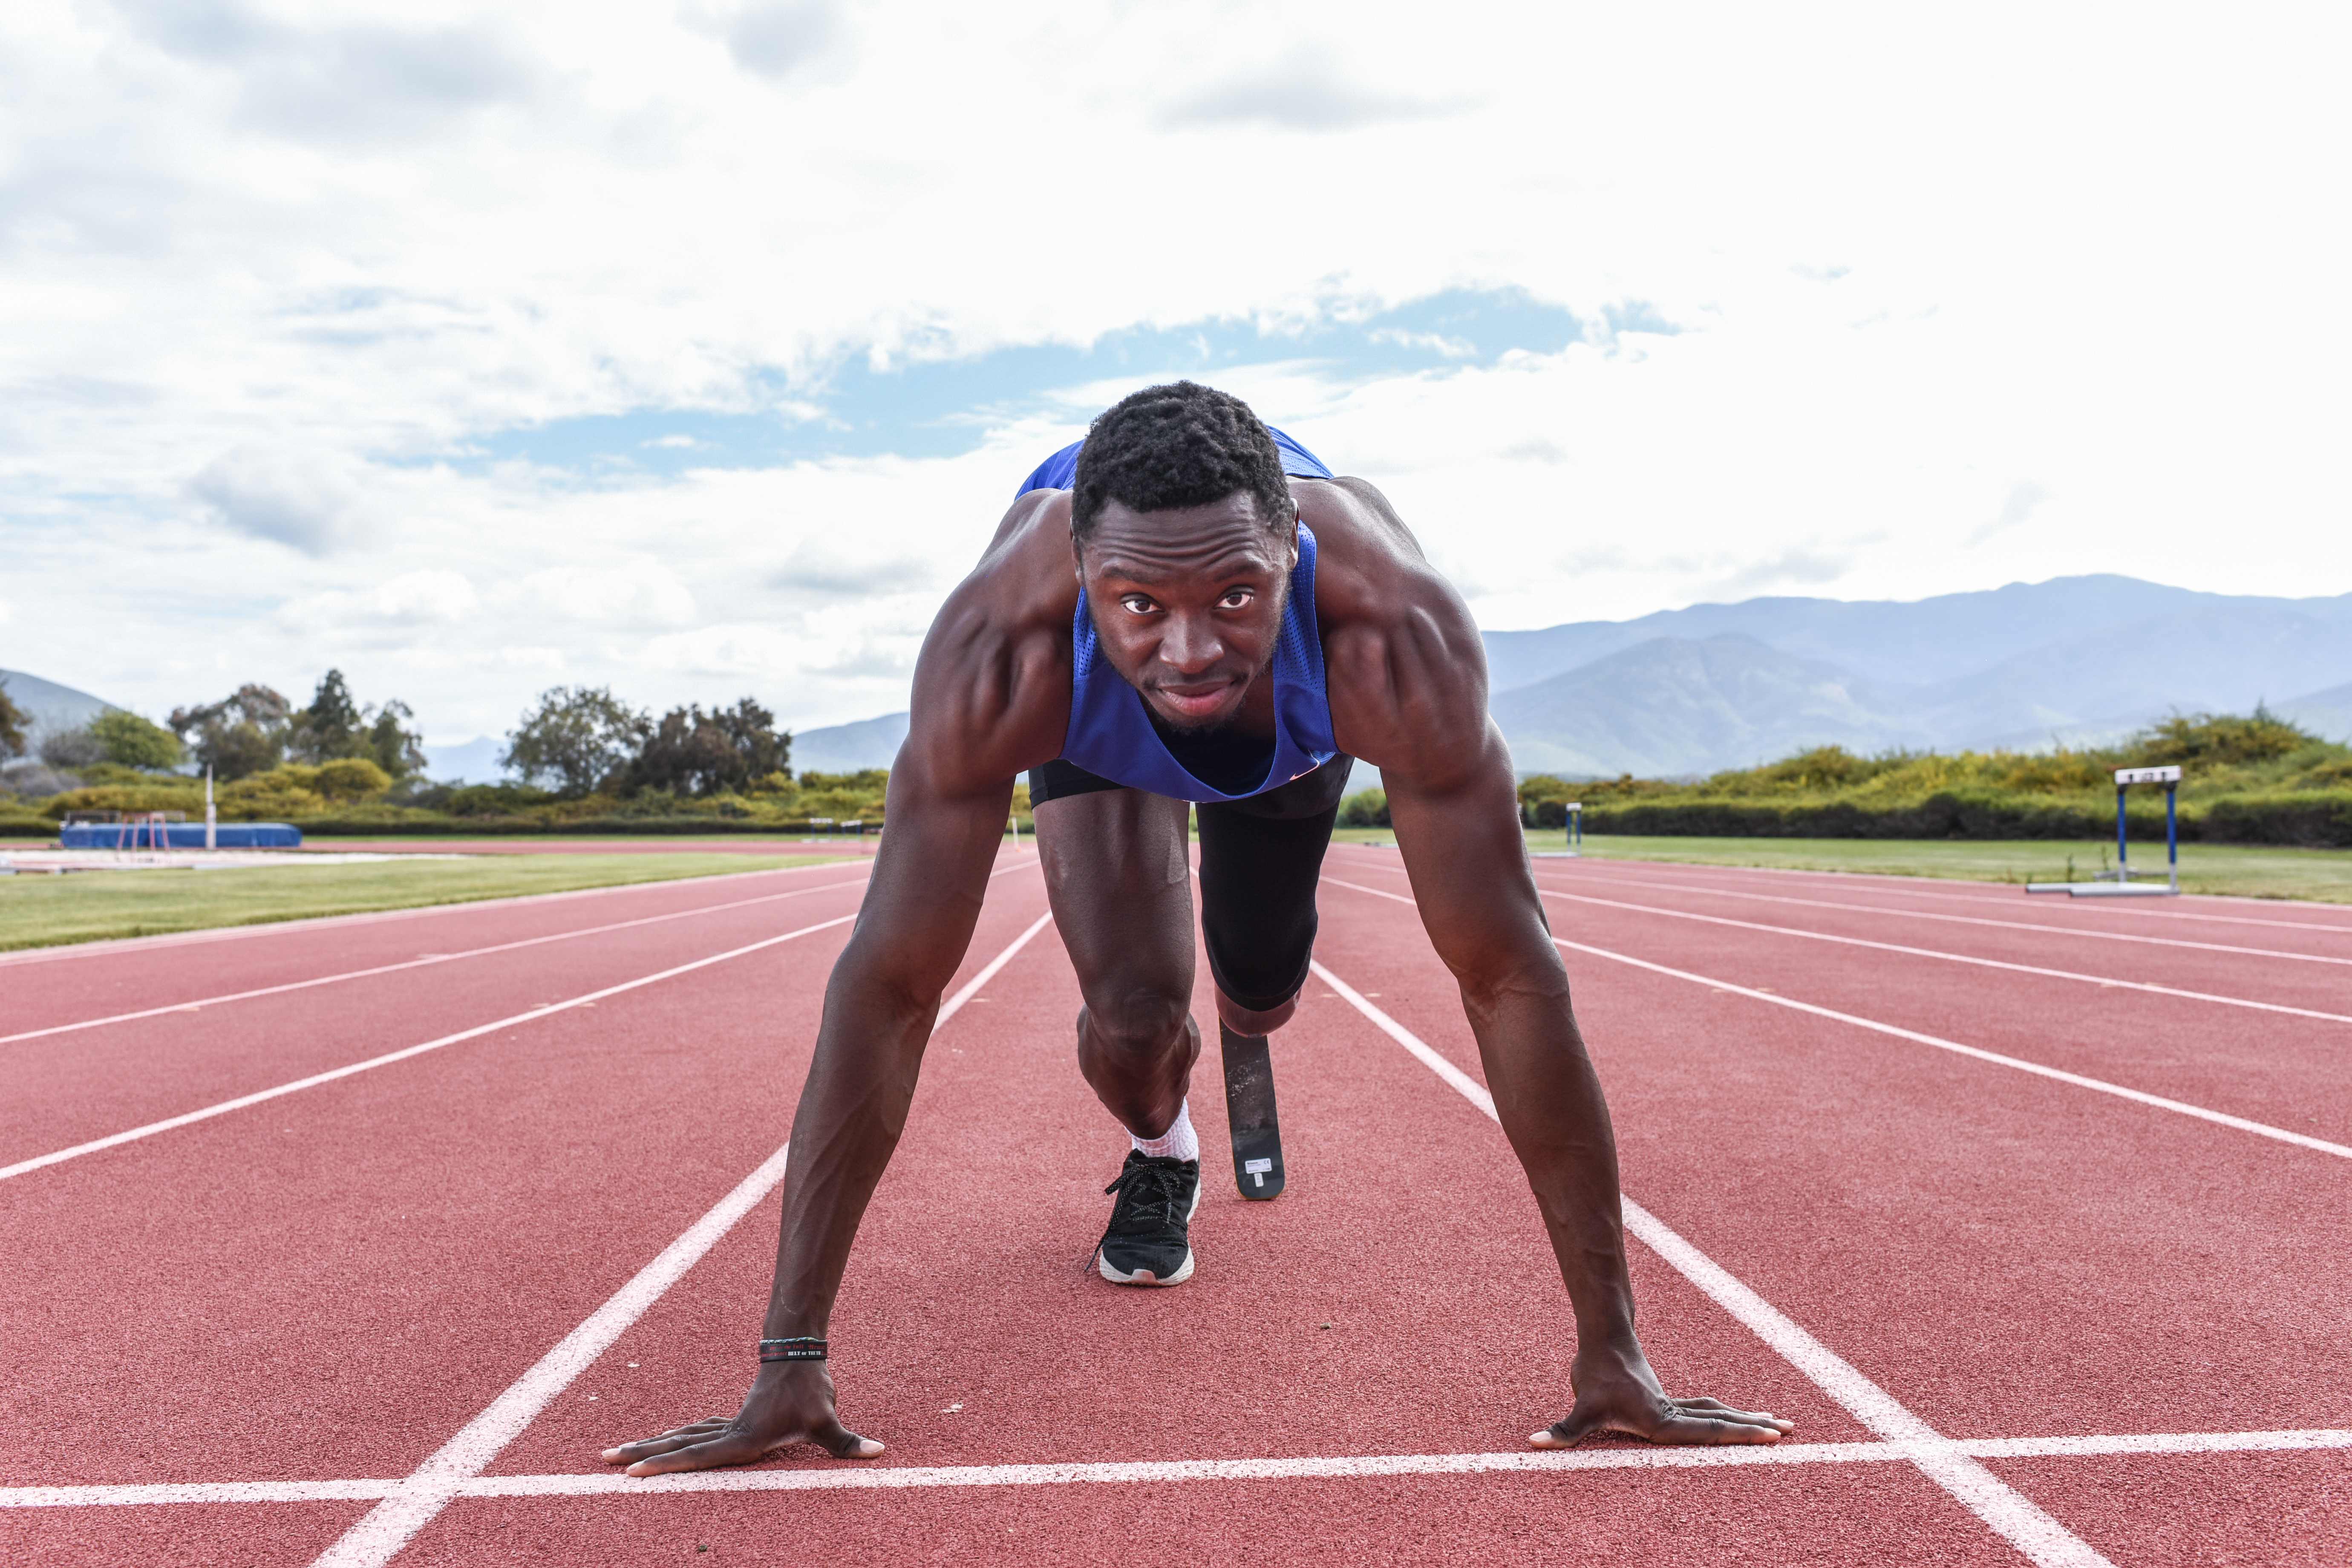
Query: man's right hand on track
[(788, 1403)]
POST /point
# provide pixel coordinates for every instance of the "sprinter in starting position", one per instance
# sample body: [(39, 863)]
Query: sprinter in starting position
[(1189, 607)]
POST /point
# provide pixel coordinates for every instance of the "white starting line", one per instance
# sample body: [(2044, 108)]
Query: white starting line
[(856, 1475)]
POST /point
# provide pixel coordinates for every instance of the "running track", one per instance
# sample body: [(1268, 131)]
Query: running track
[(358, 1238)]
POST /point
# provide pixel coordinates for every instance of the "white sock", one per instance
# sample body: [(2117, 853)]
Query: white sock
[(1179, 1142)]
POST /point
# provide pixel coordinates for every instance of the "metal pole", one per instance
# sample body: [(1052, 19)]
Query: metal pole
[(212, 821), (2172, 835), (2123, 838)]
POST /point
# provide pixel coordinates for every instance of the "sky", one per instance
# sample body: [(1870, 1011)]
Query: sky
[(696, 348)]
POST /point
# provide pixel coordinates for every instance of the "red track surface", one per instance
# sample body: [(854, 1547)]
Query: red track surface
[(326, 1286)]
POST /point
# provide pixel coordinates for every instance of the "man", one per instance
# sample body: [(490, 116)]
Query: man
[(1190, 607)]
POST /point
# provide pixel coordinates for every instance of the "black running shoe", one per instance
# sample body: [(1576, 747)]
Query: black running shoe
[(1149, 1239)]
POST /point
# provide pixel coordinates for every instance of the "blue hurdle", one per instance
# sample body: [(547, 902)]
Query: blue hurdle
[(2119, 882)]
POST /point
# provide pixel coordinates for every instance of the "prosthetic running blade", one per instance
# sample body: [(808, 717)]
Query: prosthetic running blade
[(1250, 1112)]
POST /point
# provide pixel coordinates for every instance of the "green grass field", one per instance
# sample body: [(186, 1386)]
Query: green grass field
[(86, 906), (2249, 871)]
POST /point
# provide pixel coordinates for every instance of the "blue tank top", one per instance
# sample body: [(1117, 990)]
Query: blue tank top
[(1111, 733)]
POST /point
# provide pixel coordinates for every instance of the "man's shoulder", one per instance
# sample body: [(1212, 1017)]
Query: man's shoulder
[(1024, 577), (1369, 570), (992, 684), (1405, 671)]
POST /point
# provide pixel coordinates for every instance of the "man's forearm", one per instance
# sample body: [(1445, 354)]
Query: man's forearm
[(852, 1111), (1549, 1101)]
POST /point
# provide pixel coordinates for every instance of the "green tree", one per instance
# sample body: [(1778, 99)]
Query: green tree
[(330, 727), (391, 745), (243, 733), (576, 739), (693, 752), (134, 742), (67, 750), (13, 723), (335, 725)]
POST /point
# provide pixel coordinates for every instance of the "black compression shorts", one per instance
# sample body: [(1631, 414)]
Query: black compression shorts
[(1260, 857)]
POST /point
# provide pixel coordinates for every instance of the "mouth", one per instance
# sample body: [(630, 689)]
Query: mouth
[(1195, 703)]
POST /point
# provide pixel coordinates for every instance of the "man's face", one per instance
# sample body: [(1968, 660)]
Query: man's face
[(1187, 602)]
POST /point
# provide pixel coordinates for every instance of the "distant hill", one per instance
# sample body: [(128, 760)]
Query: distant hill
[(1900, 642), (465, 761), (51, 706), (1652, 709), (2076, 658), (847, 748), (2326, 713)]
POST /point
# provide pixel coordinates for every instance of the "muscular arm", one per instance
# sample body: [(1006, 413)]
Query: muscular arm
[(1409, 694), (975, 719)]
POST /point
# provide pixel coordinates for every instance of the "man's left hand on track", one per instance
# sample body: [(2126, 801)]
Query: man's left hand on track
[(1626, 1397), (783, 1408)]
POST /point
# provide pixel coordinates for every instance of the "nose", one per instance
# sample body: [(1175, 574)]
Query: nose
[(1191, 644)]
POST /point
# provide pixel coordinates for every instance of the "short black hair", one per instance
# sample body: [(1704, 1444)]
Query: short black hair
[(1181, 443)]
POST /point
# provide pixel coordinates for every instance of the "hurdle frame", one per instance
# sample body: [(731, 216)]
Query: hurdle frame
[(2118, 883)]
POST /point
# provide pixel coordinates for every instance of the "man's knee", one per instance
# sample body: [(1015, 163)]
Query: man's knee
[(1252, 1021), (1138, 1020)]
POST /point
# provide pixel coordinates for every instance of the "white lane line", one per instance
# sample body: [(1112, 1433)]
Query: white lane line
[(390, 1525), (132, 1135), (1996, 893), (1973, 920), (2099, 980), (113, 946), (1313, 1468), (2008, 1512), (2138, 1096), (203, 1002)]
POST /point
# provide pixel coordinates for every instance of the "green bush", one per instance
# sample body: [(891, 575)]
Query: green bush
[(350, 779), (494, 800), (1365, 808), (2248, 779), (134, 743), (2320, 819), (2219, 738)]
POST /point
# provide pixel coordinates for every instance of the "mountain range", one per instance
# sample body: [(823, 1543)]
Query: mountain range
[(1690, 691), (2076, 660), (49, 706)]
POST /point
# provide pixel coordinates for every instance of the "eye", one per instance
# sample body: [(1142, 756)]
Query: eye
[(1236, 599), (1137, 603)]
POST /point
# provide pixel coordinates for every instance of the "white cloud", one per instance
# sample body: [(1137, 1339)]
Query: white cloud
[(428, 597), (264, 268), (635, 592), (295, 497), (825, 570)]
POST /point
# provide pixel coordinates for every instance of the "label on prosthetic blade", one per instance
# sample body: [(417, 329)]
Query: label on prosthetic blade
[(1250, 1114)]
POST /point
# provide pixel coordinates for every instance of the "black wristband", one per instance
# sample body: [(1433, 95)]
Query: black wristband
[(803, 1349)]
